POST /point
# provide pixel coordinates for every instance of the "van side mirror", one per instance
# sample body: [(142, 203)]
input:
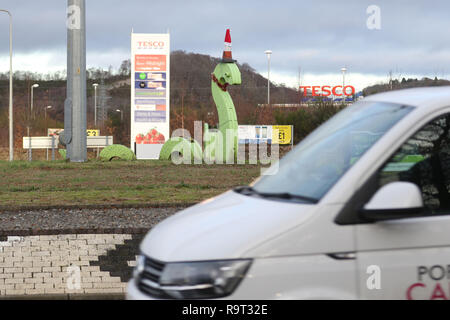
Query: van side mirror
[(396, 200)]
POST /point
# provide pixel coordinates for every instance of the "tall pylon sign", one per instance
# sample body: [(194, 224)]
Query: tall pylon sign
[(150, 93), (75, 104)]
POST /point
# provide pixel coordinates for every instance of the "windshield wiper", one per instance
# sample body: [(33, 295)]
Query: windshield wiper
[(282, 195)]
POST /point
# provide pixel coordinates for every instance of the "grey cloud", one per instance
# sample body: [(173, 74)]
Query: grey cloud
[(413, 37)]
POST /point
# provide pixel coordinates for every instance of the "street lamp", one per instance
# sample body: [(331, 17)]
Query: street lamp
[(31, 116), (32, 87), (121, 114), (48, 107), (95, 85), (46, 124), (343, 79), (268, 53), (11, 132)]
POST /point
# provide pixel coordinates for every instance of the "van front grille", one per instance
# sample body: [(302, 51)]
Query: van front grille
[(148, 281)]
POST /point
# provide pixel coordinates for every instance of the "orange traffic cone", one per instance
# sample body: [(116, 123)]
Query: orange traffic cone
[(227, 56)]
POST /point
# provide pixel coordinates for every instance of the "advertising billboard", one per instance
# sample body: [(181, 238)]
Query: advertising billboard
[(250, 134), (150, 93)]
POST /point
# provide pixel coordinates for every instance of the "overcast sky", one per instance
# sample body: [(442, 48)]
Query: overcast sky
[(319, 36)]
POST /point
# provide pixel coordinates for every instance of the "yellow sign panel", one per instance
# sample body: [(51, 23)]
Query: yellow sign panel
[(281, 134), (93, 133), (90, 133)]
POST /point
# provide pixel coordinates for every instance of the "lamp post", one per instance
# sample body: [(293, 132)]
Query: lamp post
[(30, 156), (121, 114), (268, 53), (46, 108), (343, 82), (32, 87), (11, 132), (95, 85), (46, 124)]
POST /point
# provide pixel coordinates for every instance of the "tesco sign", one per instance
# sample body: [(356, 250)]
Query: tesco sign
[(328, 90), (151, 44)]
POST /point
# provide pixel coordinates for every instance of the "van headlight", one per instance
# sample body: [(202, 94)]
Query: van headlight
[(140, 266), (202, 280)]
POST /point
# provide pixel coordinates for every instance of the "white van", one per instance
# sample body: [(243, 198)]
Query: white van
[(360, 209)]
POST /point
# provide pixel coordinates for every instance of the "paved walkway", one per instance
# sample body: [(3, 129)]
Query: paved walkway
[(67, 264)]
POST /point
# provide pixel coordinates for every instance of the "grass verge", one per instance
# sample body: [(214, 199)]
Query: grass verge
[(43, 183)]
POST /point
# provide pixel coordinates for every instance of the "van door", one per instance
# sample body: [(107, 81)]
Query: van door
[(410, 258)]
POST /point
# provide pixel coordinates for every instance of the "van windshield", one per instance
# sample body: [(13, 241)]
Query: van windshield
[(309, 171)]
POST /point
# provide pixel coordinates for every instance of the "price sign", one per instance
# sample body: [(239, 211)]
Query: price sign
[(93, 133), (281, 134)]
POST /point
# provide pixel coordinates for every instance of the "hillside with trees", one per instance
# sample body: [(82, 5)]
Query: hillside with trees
[(405, 84), (190, 98)]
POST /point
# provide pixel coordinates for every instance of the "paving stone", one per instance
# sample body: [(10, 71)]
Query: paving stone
[(92, 279), (78, 253), (66, 236), (22, 254), (86, 236), (6, 286), (49, 237), (5, 264), (77, 242), (15, 239), (40, 253), (107, 285), (34, 280), (15, 292), (42, 274), (54, 291), (96, 241), (33, 238), (86, 285), (111, 279), (32, 259), (34, 291), (5, 244), (89, 258), (32, 269), (22, 275), (60, 243), (73, 291), (51, 269), (40, 243), (23, 264), (44, 286), (22, 244), (41, 263), (59, 263), (90, 269), (100, 274), (54, 280), (102, 290), (14, 259), (6, 254), (61, 285), (14, 281), (12, 270), (23, 286)]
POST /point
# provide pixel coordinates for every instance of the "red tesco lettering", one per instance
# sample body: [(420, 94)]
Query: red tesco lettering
[(327, 90)]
